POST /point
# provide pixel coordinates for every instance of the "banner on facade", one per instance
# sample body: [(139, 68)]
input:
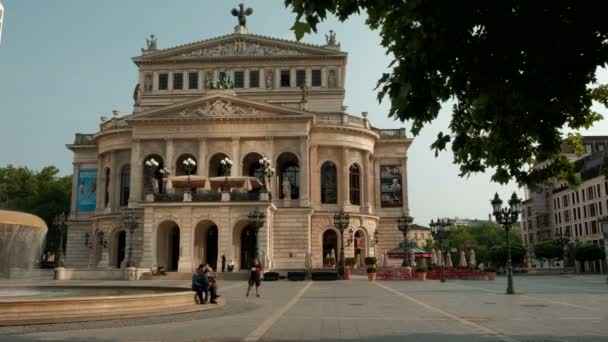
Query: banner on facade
[(87, 190), (391, 195)]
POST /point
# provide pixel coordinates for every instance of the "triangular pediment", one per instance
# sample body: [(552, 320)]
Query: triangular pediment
[(238, 46), (220, 106)]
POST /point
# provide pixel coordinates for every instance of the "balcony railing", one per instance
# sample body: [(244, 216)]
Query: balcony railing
[(84, 139), (208, 196), (398, 133)]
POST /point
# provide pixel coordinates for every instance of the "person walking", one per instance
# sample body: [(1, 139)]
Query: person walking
[(205, 283), (197, 283), (223, 263), (255, 277)]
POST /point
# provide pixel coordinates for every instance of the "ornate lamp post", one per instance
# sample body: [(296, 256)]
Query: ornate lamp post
[(268, 172), (341, 221), (563, 240), (226, 166), (59, 222), (189, 165), (506, 217), (440, 235), (256, 220), (375, 239), (129, 221), (405, 224), (152, 165)]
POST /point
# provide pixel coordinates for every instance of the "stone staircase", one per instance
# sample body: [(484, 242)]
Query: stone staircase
[(239, 275)]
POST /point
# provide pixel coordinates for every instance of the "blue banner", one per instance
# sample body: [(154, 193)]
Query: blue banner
[(87, 190)]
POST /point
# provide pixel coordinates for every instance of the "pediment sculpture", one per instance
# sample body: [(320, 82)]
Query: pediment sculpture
[(219, 108), (241, 47)]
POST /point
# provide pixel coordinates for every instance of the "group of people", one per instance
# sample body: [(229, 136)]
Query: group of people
[(204, 285)]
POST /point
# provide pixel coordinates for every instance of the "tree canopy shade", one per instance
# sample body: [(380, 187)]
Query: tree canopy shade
[(41, 193), (517, 72), (588, 252), (548, 249)]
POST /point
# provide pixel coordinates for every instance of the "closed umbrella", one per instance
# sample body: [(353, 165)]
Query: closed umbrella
[(385, 258), (448, 260), (440, 260), (433, 257), (307, 261), (463, 260), (413, 259), (472, 261), (333, 255)]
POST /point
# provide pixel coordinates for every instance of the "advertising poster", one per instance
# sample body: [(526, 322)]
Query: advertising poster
[(391, 194), (87, 190)]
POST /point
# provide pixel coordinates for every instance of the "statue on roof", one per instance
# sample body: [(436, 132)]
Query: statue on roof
[(242, 14), (151, 43), (330, 39), (224, 82)]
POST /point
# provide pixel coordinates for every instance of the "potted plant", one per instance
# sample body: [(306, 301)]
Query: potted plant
[(421, 270), (370, 261), (491, 273), (350, 262), (371, 273)]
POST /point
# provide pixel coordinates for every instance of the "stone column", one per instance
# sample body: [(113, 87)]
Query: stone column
[(366, 181), (225, 228), (203, 167), (324, 77), (114, 182), (339, 78), (155, 81), (371, 187), (273, 161), (277, 78), (246, 78), (169, 155), (309, 77), (304, 173), (148, 246), (136, 182), (292, 77), (343, 183), (236, 157), (314, 175), (262, 77), (186, 244)]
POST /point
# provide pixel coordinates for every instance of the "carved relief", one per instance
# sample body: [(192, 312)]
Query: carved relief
[(219, 108), (147, 83), (241, 48)]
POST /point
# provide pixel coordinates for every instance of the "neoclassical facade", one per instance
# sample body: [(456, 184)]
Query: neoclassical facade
[(285, 104)]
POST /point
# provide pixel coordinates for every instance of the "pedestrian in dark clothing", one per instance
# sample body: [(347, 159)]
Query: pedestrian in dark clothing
[(223, 262), (197, 284), (255, 277), (205, 284), (213, 291)]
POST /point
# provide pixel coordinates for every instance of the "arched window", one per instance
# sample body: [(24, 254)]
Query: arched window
[(252, 167), (329, 184), (106, 194), (180, 169), (125, 185), (215, 167), (354, 180), (288, 168)]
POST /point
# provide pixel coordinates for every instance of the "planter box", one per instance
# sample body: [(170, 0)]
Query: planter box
[(371, 276), (491, 275), (422, 276)]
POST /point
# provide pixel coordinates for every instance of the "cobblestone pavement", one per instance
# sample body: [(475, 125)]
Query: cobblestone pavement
[(545, 309)]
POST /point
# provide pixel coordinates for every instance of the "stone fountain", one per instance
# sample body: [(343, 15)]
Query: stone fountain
[(21, 241)]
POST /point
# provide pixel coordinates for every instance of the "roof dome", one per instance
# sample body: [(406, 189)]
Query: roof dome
[(23, 219)]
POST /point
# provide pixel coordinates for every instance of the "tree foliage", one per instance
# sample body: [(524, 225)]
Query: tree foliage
[(588, 252), (41, 193), (516, 72), (498, 255), (548, 249)]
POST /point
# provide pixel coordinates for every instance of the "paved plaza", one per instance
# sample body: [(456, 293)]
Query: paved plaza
[(546, 308)]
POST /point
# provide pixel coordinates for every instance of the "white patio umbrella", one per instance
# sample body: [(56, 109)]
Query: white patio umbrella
[(448, 260), (472, 261), (433, 257), (385, 258), (463, 260), (332, 255), (440, 260), (413, 259)]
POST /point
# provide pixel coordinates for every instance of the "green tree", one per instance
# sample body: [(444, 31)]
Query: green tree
[(41, 193), (498, 255), (588, 252), (516, 72), (549, 250)]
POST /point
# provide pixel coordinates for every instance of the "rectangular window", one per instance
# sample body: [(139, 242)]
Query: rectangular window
[(178, 80), (193, 80), (599, 191), (579, 212), (574, 214), (254, 79), (599, 207), (559, 216), (577, 198), (316, 77), (600, 147), (585, 211), (239, 79), (586, 229), (285, 78), (555, 215), (573, 199), (567, 216), (593, 227), (300, 77), (583, 194), (163, 81)]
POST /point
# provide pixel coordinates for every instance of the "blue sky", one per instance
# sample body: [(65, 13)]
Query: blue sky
[(65, 63)]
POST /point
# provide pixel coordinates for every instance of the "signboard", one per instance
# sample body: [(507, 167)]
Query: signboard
[(87, 190), (391, 193)]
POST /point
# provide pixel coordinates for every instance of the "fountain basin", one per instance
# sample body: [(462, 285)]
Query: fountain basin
[(26, 305)]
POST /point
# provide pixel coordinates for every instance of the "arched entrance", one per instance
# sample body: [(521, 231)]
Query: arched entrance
[(245, 243), (288, 168), (360, 247), (330, 247), (120, 243), (206, 243), (152, 175), (252, 167), (215, 165), (167, 246)]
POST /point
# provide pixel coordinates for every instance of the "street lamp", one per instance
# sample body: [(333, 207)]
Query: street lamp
[(341, 221), (506, 217), (375, 240), (256, 221), (405, 224), (152, 165), (102, 242), (226, 165), (189, 165), (59, 223), (563, 240), (129, 221), (440, 234), (268, 172)]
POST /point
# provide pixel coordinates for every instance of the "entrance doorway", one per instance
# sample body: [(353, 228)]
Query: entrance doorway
[(330, 247), (167, 246), (174, 255), (359, 247), (248, 245), (211, 250), (121, 243)]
